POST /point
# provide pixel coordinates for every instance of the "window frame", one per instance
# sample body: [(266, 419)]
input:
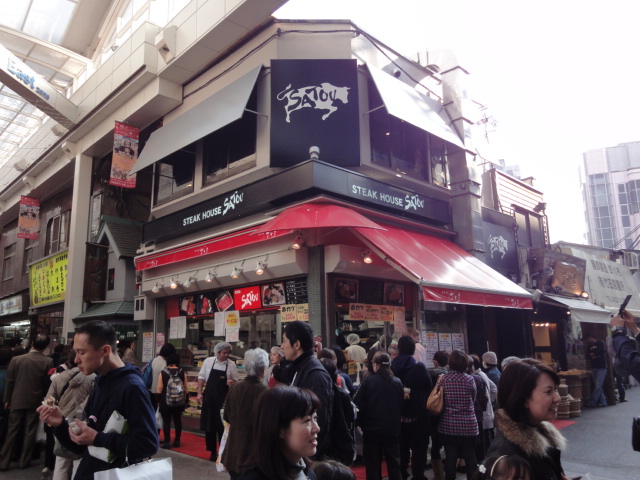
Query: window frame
[(9, 256)]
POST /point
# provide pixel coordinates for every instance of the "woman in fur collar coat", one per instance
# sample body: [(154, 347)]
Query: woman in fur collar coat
[(528, 401)]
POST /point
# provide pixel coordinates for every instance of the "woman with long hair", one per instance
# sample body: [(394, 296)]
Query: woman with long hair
[(379, 400), (527, 403), (285, 434)]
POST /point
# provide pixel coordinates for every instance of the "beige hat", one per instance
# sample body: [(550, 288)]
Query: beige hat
[(490, 358)]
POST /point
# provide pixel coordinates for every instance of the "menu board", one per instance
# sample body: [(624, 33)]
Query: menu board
[(296, 290), (457, 340)]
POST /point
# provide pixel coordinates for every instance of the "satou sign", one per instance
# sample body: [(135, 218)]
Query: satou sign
[(247, 298), (314, 103)]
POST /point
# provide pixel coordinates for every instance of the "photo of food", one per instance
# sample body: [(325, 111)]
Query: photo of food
[(188, 305), (346, 290), (394, 294), (224, 301), (273, 294)]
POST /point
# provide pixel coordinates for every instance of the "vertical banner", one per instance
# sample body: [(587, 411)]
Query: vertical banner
[(125, 154), (29, 218)]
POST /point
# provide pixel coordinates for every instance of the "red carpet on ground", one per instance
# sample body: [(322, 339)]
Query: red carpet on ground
[(190, 444), (560, 424), (361, 474)]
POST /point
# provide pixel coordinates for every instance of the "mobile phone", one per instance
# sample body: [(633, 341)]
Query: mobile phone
[(624, 304)]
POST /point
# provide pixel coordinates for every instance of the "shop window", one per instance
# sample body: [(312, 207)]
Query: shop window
[(173, 175), (111, 279), (530, 229), (231, 149), (404, 148), (57, 233), (96, 212), (9, 259), (30, 253)]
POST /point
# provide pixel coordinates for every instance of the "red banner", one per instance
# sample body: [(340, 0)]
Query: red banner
[(29, 218), (247, 298), (487, 299), (125, 154)]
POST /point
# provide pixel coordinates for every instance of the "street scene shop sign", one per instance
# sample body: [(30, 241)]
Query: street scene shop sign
[(48, 280)]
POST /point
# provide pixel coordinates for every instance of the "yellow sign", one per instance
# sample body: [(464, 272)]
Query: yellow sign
[(372, 313), (232, 319), (386, 313), (291, 312), (356, 311), (302, 312), (48, 280)]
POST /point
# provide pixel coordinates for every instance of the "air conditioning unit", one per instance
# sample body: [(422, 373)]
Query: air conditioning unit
[(630, 259), (142, 308)]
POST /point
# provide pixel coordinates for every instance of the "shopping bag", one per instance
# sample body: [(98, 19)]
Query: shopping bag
[(435, 402), (156, 469), (159, 422), (223, 442)]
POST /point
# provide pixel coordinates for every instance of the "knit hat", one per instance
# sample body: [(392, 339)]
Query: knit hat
[(490, 358), (353, 339)]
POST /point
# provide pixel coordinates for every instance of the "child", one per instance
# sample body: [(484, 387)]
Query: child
[(506, 467)]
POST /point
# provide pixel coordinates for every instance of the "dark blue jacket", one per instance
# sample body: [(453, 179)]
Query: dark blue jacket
[(627, 353), (413, 375), (124, 391)]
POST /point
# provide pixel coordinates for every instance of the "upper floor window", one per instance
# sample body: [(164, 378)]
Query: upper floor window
[(9, 261), (174, 174), (405, 148), (57, 234), (231, 149), (30, 253)]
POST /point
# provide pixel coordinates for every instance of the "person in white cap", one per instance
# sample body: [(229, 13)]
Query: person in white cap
[(490, 364)]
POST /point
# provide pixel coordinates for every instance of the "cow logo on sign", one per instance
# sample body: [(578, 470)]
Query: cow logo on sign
[(323, 97), (498, 244)]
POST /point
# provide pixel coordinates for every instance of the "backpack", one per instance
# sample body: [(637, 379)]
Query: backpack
[(342, 435), (482, 399), (147, 375), (175, 396)]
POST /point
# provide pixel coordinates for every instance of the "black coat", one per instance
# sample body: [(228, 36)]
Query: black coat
[(539, 445), (413, 375), (379, 405)]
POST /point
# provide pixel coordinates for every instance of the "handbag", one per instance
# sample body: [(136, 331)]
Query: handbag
[(635, 434), (156, 469), (435, 402)]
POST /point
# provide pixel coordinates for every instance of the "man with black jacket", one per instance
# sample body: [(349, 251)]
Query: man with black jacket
[(414, 424), (625, 347), (118, 388), (306, 371)]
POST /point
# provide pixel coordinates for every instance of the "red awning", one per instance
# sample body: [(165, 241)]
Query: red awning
[(316, 215), (446, 272), (207, 247)]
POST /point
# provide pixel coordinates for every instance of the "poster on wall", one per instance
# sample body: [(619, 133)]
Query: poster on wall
[(431, 344), (273, 294), (177, 327), (187, 305), (224, 301), (356, 311), (399, 321), (147, 346), (219, 324), (125, 154), (232, 326), (386, 313), (29, 218), (288, 313), (313, 102), (445, 342), (206, 303), (393, 294), (346, 290), (457, 341)]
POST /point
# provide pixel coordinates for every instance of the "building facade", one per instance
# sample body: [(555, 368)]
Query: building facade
[(610, 179)]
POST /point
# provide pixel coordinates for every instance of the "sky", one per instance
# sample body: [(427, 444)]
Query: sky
[(559, 77)]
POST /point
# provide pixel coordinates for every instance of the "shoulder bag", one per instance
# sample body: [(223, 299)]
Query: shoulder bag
[(435, 402)]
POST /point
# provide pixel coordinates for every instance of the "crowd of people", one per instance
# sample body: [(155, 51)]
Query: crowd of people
[(296, 414)]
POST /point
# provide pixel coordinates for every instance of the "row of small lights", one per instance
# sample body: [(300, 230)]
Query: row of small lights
[(261, 267)]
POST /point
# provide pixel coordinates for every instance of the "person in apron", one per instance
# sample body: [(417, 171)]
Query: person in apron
[(218, 373)]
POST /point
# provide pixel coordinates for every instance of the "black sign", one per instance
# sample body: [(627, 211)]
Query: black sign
[(296, 290), (302, 181), (501, 252), (314, 103)]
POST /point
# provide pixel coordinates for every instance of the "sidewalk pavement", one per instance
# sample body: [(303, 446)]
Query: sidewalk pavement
[(185, 467)]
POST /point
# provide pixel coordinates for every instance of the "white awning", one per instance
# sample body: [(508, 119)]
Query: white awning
[(581, 310), (212, 114), (405, 103)]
